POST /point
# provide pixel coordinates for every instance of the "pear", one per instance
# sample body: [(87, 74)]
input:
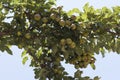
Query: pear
[(62, 42), (28, 35), (19, 33), (45, 20), (72, 45), (53, 16), (68, 22), (73, 26), (57, 19), (68, 41), (62, 23), (73, 17), (37, 17)]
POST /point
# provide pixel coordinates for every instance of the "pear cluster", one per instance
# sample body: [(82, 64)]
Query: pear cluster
[(51, 36), (68, 42), (82, 61), (54, 15)]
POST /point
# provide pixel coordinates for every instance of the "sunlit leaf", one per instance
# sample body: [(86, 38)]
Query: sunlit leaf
[(23, 53), (86, 7), (93, 66), (24, 60)]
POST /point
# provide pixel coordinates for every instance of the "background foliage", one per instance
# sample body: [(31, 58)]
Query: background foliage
[(50, 35)]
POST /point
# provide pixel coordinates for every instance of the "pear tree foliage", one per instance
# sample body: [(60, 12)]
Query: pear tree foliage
[(50, 35)]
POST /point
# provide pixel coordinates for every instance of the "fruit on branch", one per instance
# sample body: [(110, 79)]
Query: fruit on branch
[(44, 19), (73, 17), (72, 45), (28, 35), (53, 16), (62, 42), (68, 41), (37, 17), (68, 22), (19, 33), (82, 41), (57, 19), (73, 42), (62, 23), (73, 26), (81, 24)]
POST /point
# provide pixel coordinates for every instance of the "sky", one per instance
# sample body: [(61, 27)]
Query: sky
[(11, 67)]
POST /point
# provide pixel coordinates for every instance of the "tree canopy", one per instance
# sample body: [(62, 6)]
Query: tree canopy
[(50, 35)]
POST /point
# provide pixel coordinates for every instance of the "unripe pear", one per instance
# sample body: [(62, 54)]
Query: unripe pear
[(68, 41), (37, 17), (81, 24), (57, 19), (28, 35), (19, 33), (73, 17), (73, 26), (82, 41), (62, 42), (72, 45), (77, 66), (53, 16), (68, 22), (45, 20), (62, 23)]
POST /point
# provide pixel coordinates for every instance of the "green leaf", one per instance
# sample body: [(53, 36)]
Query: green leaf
[(23, 53), (93, 66), (52, 0), (106, 10), (14, 2), (74, 10), (39, 52), (96, 49), (116, 9), (84, 16), (102, 52), (86, 7), (8, 50), (24, 60), (78, 74), (118, 46)]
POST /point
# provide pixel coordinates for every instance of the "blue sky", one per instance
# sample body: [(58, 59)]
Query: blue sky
[(107, 68)]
